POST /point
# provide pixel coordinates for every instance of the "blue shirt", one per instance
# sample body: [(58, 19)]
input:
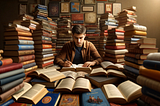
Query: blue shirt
[(78, 56)]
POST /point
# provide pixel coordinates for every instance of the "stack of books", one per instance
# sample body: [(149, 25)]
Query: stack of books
[(115, 42), (136, 55), (77, 19), (42, 37), (11, 78), (64, 32), (149, 79), (127, 16), (19, 46)]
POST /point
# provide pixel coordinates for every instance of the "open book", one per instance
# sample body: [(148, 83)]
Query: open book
[(101, 71), (78, 67), (49, 74), (71, 85), (110, 65), (30, 94), (125, 92), (74, 75)]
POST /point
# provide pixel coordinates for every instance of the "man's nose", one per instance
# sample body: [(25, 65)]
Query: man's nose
[(78, 40)]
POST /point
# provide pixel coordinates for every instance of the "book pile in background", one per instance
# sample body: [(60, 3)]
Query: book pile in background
[(19, 44), (64, 33), (127, 16), (104, 25), (11, 78), (149, 79), (77, 19), (42, 37), (115, 43)]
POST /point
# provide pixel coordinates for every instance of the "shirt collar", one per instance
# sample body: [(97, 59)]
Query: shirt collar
[(84, 44)]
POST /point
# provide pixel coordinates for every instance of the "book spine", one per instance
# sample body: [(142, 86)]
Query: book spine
[(151, 64), (137, 56), (27, 62), (45, 41), (25, 47), (26, 42), (153, 56), (29, 65), (11, 73), (10, 85), (130, 59), (140, 27), (22, 27), (6, 61), (46, 38), (24, 38), (30, 69), (45, 46), (10, 67), (8, 102), (115, 47), (26, 52), (25, 58), (131, 69), (11, 78), (46, 64)]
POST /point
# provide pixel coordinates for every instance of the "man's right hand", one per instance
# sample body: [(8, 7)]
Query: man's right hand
[(67, 63)]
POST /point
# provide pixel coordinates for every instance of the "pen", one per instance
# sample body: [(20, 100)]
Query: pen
[(68, 60)]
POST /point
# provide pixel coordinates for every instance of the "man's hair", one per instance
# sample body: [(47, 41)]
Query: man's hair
[(78, 29)]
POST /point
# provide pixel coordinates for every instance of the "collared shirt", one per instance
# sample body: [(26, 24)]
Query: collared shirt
[(68, 52)]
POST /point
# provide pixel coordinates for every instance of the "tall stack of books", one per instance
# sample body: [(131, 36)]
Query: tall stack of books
[(64, 32), (19, 46), (115, 43), (104, 25), (11, 78), (127, 16), (77, 19), (149, 79), (42, 37), (136, 55)]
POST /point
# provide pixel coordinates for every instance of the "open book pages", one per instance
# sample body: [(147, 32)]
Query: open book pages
[(39, 71), (73, 74), (110, 65)]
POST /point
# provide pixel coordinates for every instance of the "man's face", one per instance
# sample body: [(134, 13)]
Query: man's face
[(78, 39)]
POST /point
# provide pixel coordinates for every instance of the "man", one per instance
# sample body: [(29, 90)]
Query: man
[(78, 51)]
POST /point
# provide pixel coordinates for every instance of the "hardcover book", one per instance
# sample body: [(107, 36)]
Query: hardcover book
[(18, 53), (153, 56), (125, 92), (19, 47), (152, 64), (94, 98), (6, 61)]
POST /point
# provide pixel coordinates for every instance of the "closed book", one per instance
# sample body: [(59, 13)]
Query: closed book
[(44, 59), (135, 27), (142, 45), (143, 50), (99, 81), (17, 37), (10, 85), (41, 38), (152, 64), (149, 73), (94, 98), (10, 92), (133, 60), (21, 33), (115, 47), (135, 32), (114, 60), (147, 40), (44, 82), (131, 69), (7, 103), (42, 42), (11, 73), (110, 37), (10, 67), (29, 42), (28, 62), (134, 65), (45, 52), (23, 58), (5, 61), (115, 41), (136, 56), (70, 99), (29, 65), (115, 44), (30, 69), (18, 53), (43, 56), (121, 51), (41, 32), (42, 50), (114, 55), (43, 46), (19, 47), (45, 64), (50, 99), (154, 56), (11, 78), (130, 75)]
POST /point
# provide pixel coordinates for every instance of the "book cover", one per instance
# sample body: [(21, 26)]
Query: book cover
[(27, 42), (7, 103), (29, 65), (5, 61), (69, 100), (19, 47), (23, 58), (152, 64), (18, 53), (94, 98), (131, 69)]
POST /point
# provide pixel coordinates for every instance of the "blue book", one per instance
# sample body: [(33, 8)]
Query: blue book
[(151, 93), (42, 8), (50, 99), (26, 47), (11, 78), (94, 98), (40, 17), (29, 65), (133, 60), (8, 102), (77, 21), (152, 64), (131, 69)]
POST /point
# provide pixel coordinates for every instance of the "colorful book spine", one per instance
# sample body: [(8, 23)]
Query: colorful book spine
[(8, 102), (6, 61), (25, 47), (25, 58), (29, 65)]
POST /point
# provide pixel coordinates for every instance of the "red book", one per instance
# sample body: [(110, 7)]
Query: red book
[(6, 61), (115, 37), (92, 34), (23, 58), (43, 46), (115, 47), (10, 67), (77, 17), (46, 64)]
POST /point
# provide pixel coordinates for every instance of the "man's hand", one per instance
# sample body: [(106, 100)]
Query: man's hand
[(88, 64), (67, 63)]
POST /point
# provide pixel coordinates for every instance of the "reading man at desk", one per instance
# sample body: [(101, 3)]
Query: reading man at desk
[(78, 51)]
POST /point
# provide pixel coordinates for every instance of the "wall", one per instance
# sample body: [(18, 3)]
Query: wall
[(147, 12)]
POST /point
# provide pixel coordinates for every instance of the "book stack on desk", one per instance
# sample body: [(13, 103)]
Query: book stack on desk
[(19, 44), (149, 78), (42, 37)]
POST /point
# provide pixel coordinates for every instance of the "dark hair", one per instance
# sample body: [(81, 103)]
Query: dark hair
[(78, 29)]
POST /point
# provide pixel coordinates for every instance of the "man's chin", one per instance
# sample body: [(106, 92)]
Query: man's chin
[(79, 45)]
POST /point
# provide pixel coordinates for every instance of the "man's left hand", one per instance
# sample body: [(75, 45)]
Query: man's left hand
[(88, 64)]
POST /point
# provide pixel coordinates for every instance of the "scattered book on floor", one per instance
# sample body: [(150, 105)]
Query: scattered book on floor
[(126, 92), (94, 98)]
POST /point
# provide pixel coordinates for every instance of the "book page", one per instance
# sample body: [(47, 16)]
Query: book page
[(81, 74), (105, 64), (39, 71), (98, 70), (66, 83), (53, 74), (120, 66), (116, 73), (31, 93), (82, 83), (25, 88), (128, 88), (70, 74)]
